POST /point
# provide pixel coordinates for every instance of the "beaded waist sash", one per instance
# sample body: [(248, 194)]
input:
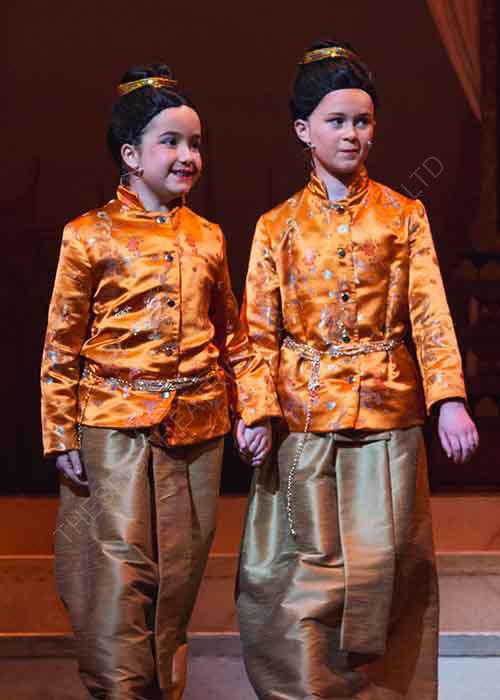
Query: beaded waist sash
[(308, 352), (152, 386)]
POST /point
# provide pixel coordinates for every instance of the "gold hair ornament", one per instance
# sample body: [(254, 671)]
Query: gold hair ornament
[(156, 82), (329, 52)]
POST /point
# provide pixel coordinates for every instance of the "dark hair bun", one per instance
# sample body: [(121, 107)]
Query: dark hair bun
[(330, 44), (133, 111), (151, 70), (316, 79)]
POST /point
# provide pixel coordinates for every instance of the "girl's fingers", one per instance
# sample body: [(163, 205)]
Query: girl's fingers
[(76, 464), (475, 438), (261, 455), (71, 466), (472, 442), (240, 436), (63, 463), (261, 452), (456, 449), (258, 459), (445, 443), (254, 440)]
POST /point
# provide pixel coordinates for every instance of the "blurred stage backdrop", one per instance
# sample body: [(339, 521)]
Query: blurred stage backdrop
[(236, 61)]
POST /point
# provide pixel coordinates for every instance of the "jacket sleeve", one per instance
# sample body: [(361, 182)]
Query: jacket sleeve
[(432, 327), (250, 385), (66, 331), (261, 312)]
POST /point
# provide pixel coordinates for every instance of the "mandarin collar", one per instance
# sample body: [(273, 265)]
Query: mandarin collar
[(131, 201), (356, 192)]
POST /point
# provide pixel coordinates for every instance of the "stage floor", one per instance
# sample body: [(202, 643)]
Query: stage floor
[(217, 678)]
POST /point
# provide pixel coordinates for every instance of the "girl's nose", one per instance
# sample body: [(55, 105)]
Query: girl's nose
[(350, 132), (183, 152)]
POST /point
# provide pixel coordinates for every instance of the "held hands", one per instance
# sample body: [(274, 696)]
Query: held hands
[(70, 464), (254, 443), (457, 432)]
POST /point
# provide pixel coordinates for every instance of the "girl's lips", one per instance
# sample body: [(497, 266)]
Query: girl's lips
[(183, 173)]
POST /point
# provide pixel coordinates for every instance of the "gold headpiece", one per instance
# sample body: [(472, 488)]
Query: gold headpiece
[(156, 82), (329, 52)]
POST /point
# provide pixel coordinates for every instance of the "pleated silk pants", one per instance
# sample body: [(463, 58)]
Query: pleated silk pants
[(347, 609), (130, 554)]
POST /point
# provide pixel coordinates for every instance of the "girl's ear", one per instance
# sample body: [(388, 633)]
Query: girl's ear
[(130, 156), (301, 127)]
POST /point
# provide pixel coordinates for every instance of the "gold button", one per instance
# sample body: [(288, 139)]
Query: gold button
[(341, 253)]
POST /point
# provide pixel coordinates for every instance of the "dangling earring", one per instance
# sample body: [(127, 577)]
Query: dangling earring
[(138, 171), (311, 147), (369, 144)]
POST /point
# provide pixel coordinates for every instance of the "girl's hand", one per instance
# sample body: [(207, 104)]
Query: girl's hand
[(457, 431), (70, 464), (254, 443)]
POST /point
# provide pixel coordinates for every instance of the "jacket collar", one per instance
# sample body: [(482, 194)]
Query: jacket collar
[(357, 189), (131, 202)]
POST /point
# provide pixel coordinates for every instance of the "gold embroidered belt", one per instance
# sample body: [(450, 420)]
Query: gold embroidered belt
[(308, 352), (152, 386)]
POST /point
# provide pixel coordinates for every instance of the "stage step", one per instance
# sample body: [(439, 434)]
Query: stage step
[(467, 538)]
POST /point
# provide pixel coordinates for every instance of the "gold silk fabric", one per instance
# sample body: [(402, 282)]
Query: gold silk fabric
[(130, 555), (145, 295), (347, 609), (345, 274)]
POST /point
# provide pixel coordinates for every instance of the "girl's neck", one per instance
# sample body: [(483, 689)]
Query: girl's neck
[(337, 186), (148, 199)]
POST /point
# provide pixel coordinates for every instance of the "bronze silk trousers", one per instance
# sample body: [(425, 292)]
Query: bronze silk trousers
[(130, 554), (347, 609)]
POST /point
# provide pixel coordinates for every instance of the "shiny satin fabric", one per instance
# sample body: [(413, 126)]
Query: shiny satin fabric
[(347, 610), (143, 295), (130, 554), (348, 273)]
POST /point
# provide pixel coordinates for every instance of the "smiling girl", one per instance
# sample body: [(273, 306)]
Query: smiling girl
[(143, 339), (337, 584)]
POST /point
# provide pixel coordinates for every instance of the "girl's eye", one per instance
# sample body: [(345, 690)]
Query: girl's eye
[(363, 121), (170, 141), (337, 121), (196, 145)]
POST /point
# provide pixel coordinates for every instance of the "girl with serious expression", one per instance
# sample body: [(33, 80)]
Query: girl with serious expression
[(339, 133)]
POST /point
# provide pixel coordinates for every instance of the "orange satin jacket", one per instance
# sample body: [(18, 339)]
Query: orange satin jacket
[(145, 297), (339, 275)]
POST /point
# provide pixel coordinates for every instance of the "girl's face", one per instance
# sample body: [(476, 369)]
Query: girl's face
[(339, 131), (168, 156)]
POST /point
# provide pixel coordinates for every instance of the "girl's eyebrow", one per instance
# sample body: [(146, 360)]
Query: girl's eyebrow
[(342, 114), (178, 133)]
